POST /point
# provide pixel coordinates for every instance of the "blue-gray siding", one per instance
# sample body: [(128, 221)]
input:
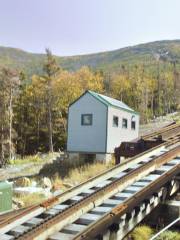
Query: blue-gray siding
[(101, 137), (87, 138)]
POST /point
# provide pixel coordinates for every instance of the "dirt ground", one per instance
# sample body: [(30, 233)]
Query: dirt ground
[(158, 123), (27, 169)]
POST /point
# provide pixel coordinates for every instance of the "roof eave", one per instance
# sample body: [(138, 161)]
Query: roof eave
[(124, 109)]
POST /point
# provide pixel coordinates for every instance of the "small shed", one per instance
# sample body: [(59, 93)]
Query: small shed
[(97, 124), (5, 197)]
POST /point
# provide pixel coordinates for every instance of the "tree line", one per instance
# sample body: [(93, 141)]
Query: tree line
[(33, 112)]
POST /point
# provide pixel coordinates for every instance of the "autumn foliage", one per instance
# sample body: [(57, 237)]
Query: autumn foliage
[(34, 110)]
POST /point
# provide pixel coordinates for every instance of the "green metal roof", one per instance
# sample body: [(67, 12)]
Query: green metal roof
[(108, 101)]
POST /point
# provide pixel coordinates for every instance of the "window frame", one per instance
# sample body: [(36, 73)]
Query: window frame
[(85, 115), (125, 126), (133, 121), (114, 125)]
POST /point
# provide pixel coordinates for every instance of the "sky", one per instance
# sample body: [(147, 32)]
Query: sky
[(72, 27)]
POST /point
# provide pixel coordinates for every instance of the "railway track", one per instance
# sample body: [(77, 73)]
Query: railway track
[(89, 201), (12, 214), (116, 195), (37, 210), (149, 185), (102, 198), (165, 132)]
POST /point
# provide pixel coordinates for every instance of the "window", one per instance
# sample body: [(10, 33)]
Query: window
[(133, 123), (115, 121), (86, 119), (124, 123)]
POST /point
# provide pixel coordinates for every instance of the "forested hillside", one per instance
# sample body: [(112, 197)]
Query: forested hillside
[(107, 61), (35, 90)]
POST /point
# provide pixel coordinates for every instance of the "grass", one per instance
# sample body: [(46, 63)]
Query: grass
[(25, 160), (177, 117), (70, 168), (173, 117), (83, 173), (30, 199), (169, 235), (75, 176), (58, 184), (142, 233), (36, 159)]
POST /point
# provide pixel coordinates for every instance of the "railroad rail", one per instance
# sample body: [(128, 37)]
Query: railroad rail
[(69, 211), (128, 205), (38, 209), (35, 210), (165, 132), (10, 214), (64, 214), (120, 196)]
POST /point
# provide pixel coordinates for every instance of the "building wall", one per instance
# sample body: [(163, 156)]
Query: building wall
[(116, 135), (87, 138)]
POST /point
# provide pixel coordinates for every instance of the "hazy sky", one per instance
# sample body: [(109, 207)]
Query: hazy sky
[(70, 27)]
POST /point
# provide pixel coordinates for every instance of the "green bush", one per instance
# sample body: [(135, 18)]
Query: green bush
[(169, 235), (142, 233)]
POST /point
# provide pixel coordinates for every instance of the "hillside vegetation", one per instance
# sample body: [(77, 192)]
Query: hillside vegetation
[(36, 90), (109, 61)]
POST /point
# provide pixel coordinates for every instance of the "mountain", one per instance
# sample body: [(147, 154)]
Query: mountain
[(107, 61)]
